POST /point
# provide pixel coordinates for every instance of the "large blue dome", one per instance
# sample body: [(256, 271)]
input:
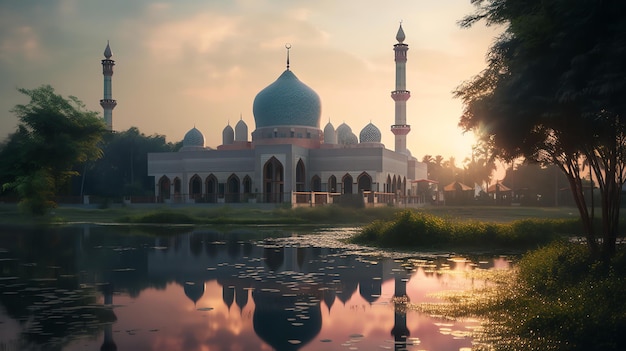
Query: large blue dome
[(287, 102)]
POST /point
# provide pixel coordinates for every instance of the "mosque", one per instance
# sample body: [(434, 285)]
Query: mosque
[(289, 159)]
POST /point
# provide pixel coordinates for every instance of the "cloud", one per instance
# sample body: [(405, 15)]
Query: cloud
[(19, 44)]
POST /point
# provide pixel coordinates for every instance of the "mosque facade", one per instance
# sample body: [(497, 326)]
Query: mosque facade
[(289, 158)]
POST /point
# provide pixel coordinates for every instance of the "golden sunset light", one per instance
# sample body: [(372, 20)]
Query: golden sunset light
[(185, 64)]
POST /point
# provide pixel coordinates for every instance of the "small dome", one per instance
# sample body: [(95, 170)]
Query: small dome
[(241, 131), (287, 102), (194, 290), (330, 137), (193, 138), (228, 135), (345, 135), (343, 129), (370, 134), (351, 139)]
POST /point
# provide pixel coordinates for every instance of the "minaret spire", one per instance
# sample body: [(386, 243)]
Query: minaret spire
[(400, 129), (108, 103)]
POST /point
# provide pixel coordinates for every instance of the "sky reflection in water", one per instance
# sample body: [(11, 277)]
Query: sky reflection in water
[(208, 290)]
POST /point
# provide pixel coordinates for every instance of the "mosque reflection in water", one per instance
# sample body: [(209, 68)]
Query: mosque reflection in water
[(209, 290)]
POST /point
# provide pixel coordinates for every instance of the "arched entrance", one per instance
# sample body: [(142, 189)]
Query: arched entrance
[(316, 183), (273, 180), (177, 188), (247, 187), (232, 189), (195, 188), (164, 188), (332, 184), (300, 178), (388, 184), (211, 189), (364, 182), (347, 184)]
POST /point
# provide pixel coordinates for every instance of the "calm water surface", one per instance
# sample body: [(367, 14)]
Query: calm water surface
[(112, 288)]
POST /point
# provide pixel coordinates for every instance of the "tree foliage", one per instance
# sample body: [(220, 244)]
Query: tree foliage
[(53, 135), (553, 93), (123, 168)]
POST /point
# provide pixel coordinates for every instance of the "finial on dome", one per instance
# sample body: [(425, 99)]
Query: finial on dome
[(287, 46), (240, 116), (400, 36), (107, 51)]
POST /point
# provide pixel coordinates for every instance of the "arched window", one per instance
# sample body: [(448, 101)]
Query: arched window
[(211, 189), (388, 185), (273, 180), (403, 185), (195, 187), (176, 186), (332, 184), (364, 182), (164, 188), (232, 189), (247, 187), (316, 183), (300, 178), (347, 184)]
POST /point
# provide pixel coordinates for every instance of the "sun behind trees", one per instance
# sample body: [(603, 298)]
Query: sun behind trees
[(54, 134), (553, 92)]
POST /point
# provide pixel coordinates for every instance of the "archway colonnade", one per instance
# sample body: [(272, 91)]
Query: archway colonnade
[(239, 188)]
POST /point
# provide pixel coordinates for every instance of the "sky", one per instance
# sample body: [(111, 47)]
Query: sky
[(190, 63)]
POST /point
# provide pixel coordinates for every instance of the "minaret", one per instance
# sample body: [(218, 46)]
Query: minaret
[(108, 103), (400, 129)]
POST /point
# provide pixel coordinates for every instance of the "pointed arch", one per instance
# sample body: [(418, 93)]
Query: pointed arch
[(195, 187), (177, 186), (232, 188), (388, 184), (300, 176), (273, 180), (211, 188), (332, 184), (403, 185), (346, 181), (364, 182), (247, 187), (316, 183), (165, 187), (394, 184)]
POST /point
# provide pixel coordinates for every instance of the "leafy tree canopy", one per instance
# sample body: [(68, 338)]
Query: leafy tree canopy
[(123, 168), (553, 93), (54, 134)]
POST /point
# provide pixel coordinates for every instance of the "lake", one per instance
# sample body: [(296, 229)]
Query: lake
[(90, 287)]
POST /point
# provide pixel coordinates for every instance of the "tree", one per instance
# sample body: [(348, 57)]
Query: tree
[(479, 168), (53, 135), (123, 168), (553, 93)]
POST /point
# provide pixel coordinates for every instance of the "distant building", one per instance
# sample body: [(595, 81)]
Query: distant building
[(290, 159)]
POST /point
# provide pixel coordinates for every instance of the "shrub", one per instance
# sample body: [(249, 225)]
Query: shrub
[(564, 299), (418, 229)]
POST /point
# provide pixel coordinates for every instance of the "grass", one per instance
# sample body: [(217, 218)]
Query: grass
[(9, 214), (416, 229), (201, 215), (560, 298)]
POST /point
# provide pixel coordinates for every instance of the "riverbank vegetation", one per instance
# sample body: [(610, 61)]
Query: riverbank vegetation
[(560, 298), (412, 229), (198, 214)]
